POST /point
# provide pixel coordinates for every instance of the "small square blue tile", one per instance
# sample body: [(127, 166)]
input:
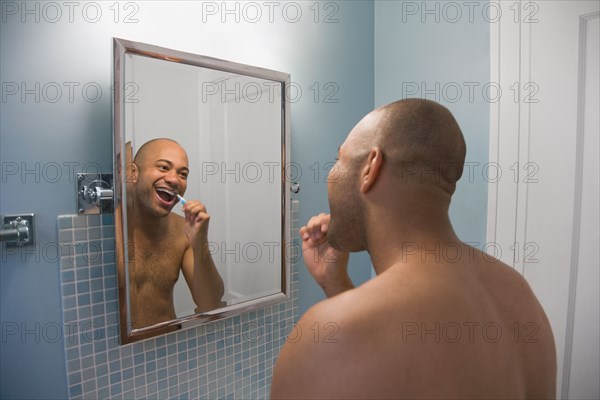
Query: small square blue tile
[(69, 302), (88, 374), (73, 365), (81, 261), (75, 390), (80, 234), (115, 377), (67, 263), (70, 315), (115, 389), (72, 354), (151, 366), (126, 362), (108, 241), (65, 221), (108, 219), (83, 300), (87, 362), (138, 359), (74, 378), (67, 276), (98, 310), (99, 346), (80, 221), (103, 393), (82, 274), (93, 220), (84, 312), (138, 348), (126, 350), (160, 341), (65, 236), (97, 297), (108, 257), (89, 386), (113, 354), (139, 370), (100, 358), (102, 374), (94, 233)]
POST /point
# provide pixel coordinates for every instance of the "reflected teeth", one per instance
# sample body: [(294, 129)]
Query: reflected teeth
[(166, 191)]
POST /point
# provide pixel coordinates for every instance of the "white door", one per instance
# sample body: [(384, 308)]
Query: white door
[(543, 216)]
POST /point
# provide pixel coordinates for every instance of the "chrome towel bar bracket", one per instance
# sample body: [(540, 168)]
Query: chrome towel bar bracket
[(17, 230)]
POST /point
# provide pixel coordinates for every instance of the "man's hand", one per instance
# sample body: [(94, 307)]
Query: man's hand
[(196, 223), (328, 266)]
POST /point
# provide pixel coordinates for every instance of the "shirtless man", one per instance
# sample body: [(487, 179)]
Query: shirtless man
[(441, 319), (162, 243)]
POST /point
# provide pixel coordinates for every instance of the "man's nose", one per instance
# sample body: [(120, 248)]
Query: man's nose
[(172, 177)]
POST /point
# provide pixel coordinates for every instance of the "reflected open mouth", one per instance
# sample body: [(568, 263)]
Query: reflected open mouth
[(166, 195)]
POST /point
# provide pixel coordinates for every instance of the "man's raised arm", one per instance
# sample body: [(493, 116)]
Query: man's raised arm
[(198, 266)]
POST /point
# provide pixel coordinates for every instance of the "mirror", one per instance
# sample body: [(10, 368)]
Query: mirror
[(224, 144)]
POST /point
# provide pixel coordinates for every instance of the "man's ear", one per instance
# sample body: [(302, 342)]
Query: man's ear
[(131, 173), (370, 172)]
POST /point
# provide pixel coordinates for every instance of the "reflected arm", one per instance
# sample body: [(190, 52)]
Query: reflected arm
[(198, 266), (203, 278)]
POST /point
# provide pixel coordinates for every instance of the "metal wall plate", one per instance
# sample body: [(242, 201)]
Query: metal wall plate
[(83, 182)]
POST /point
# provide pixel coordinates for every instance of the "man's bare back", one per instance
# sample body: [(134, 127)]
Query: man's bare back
[(441, 319), (466, 329)]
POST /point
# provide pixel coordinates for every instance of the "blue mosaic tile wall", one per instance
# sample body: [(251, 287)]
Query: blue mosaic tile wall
[(228, 359)]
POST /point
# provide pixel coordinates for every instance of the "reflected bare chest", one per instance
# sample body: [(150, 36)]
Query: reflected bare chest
[(155, 266)]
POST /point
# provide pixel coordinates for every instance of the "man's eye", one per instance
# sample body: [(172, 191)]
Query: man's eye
[(163, 167), (184, 176)]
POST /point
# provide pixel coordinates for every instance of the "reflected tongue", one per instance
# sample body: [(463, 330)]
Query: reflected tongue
[(165, 196)]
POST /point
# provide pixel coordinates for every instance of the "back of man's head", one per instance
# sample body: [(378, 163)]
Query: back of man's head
[(421, 142)]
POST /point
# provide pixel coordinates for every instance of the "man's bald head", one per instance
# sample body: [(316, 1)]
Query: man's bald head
[(150, 146), (420, 139)]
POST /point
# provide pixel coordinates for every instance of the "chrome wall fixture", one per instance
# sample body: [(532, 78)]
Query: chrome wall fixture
[(17, 230), (295, 187), (95, 193)]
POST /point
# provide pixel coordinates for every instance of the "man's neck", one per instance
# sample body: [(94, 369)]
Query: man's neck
[(409, 230), (148, 225)]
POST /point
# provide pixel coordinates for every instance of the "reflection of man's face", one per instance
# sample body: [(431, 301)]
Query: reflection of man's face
[(161, 174)]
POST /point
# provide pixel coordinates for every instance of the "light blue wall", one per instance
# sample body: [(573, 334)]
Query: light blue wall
[(346, 58), (53, 134), (440, 47)]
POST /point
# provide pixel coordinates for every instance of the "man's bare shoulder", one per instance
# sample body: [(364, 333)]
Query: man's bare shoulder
[(309, 365), (331, 351), (176, 219), (176, 224)]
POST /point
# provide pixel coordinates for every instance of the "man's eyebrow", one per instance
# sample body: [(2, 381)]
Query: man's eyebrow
[(170, 163)]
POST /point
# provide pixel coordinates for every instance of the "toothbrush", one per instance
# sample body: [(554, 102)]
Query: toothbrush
[(181, 200)]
